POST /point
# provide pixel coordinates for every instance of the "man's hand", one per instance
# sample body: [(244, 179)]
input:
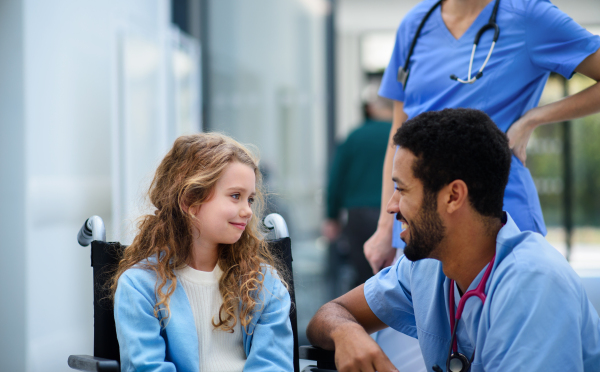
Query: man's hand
[(330, 229), (518, 136), (379, 251), (344, 325), (356, 351)]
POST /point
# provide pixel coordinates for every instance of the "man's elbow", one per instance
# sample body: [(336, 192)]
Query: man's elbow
[(315, 331), (350, 310), (324, 323)]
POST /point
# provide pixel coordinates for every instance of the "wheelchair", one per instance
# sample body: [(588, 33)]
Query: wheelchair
[(106, 255)]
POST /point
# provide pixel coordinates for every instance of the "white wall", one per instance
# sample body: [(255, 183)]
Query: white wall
[(12, 188), (67, 99), (357, 16), (69, 178), (67, 85)]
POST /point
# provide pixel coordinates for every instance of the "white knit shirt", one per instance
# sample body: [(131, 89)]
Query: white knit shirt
[(219, 351)]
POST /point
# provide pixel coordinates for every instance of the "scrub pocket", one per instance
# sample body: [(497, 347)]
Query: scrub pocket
[(435, 350)]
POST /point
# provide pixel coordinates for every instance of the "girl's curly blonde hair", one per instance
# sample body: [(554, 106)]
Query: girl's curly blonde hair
[(187, 176)]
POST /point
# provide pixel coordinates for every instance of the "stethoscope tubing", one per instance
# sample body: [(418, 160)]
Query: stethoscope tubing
[(475, 44), (479, 291), (416, 37), (404, 71)]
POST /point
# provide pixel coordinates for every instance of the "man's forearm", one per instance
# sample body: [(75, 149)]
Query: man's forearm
[(334, 327), (330, 318), (347, 315)]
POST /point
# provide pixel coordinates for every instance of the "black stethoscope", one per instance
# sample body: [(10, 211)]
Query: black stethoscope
[(404, 71), (458, 362)]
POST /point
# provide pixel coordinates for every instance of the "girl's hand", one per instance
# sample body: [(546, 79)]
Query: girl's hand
[(518, 135), (330, 229)]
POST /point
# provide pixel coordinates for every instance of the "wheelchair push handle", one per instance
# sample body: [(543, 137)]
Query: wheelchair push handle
[(275, 222), (92, 229)]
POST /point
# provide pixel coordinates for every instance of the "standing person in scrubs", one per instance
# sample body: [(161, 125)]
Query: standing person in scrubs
[(490, 297), (535, 38)]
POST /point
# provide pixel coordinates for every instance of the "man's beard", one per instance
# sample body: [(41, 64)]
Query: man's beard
[(426, 231)]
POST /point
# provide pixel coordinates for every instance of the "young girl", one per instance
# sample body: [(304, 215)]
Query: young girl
[(197, 289)]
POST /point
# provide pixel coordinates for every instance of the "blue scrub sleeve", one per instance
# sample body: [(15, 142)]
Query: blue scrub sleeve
[(390, 87), (388, 294), (556, 42), (535, 323), (272, 344), (138, 330)]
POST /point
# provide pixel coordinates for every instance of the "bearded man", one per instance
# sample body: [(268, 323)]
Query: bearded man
[(479, 294)]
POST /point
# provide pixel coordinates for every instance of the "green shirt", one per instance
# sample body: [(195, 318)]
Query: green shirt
[(356, 171)]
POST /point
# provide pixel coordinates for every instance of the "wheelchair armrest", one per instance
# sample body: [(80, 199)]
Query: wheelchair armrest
[(93, 364), (325, 358)]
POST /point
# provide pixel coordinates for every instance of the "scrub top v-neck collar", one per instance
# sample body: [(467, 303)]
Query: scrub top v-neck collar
[(473, 285), (469, 35)]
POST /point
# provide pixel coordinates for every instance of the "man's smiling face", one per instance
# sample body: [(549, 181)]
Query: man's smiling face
[(423, 229)]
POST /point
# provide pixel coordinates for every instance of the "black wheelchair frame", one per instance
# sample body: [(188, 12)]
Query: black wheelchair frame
[(106, 255)]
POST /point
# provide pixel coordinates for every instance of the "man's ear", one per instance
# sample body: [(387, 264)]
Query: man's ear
[(456, 195)]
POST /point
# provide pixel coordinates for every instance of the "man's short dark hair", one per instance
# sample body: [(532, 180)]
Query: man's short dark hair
[(459, 144)]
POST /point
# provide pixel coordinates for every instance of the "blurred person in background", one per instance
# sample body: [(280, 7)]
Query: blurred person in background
[(354, 186)]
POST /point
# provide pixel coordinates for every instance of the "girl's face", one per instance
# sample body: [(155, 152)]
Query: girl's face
[(223, 217)]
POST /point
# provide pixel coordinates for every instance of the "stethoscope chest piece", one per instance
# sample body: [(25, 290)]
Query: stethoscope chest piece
[(458, 363)]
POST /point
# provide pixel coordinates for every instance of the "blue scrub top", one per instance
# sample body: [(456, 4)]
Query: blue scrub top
[(536, 317), (536, 38)]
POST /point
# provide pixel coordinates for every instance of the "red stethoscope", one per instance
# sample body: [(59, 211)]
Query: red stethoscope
[(458, 362)]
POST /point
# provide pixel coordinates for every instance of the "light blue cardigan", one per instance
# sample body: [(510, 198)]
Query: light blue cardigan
[(145, 346)]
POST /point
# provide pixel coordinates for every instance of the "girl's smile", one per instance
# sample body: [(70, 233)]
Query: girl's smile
[(239, 225)]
